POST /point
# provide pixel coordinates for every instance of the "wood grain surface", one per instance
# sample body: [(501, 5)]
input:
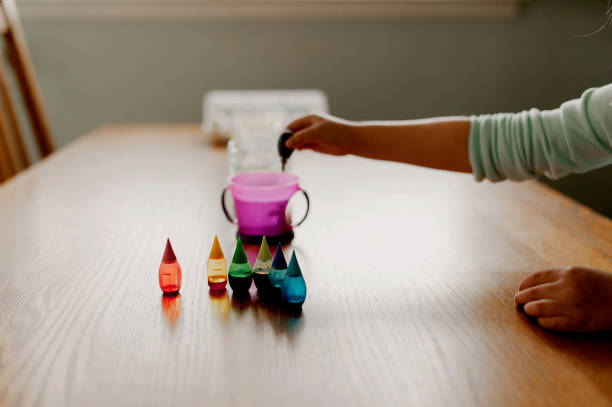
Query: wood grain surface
[(411, 275)]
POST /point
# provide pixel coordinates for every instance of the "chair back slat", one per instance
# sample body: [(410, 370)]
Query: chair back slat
[(13, 123), (8, 161), (13, 152), (3, 24), (24, 70)]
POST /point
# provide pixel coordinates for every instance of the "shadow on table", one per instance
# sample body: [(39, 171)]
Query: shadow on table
[(241, 302), (171, 308), (220, 304), (590, 353), (283, 320), (267, 310)]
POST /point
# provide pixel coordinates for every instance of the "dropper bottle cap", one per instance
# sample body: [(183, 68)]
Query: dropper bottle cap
[(264, 256), (294, 267), (279, 262), (169, 256), (284, 151), (239, 254), (215, 251)]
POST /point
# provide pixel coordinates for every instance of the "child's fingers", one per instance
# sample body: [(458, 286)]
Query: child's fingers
[(556, 323), (544, 308), (301, 139), (538, 292), (302, 123), (544, 276)]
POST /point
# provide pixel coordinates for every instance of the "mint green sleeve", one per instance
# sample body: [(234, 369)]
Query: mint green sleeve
[(575, 138)]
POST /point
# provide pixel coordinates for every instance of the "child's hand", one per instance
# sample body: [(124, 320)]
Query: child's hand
[(433, 143), (323, 134), (570, 299)]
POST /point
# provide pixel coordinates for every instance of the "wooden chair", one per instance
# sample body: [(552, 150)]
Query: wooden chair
[(13, 153)]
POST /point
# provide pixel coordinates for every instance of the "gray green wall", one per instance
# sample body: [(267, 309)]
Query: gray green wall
[(95, 73)]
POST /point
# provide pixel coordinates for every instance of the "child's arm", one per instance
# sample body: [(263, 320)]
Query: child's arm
[(435, 143), (577, 137)]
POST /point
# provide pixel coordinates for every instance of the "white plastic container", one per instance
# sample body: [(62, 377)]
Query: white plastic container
[(251, 121)]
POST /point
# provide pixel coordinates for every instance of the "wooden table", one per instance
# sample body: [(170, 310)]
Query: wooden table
[(411, 275)]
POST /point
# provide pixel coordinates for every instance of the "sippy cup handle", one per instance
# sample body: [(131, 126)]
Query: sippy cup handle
[(307, 208), (225, 211)]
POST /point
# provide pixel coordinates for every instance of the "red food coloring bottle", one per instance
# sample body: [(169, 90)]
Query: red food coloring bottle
[(170, 275)]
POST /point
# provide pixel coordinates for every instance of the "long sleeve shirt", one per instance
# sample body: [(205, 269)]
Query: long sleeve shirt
[(575, 138)]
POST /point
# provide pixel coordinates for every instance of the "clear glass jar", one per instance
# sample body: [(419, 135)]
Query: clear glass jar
[(253, 143)]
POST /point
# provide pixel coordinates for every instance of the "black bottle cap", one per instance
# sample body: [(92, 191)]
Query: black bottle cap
[(283, 150)]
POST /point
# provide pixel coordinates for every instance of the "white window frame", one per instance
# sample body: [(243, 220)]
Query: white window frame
[(168, 10)]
